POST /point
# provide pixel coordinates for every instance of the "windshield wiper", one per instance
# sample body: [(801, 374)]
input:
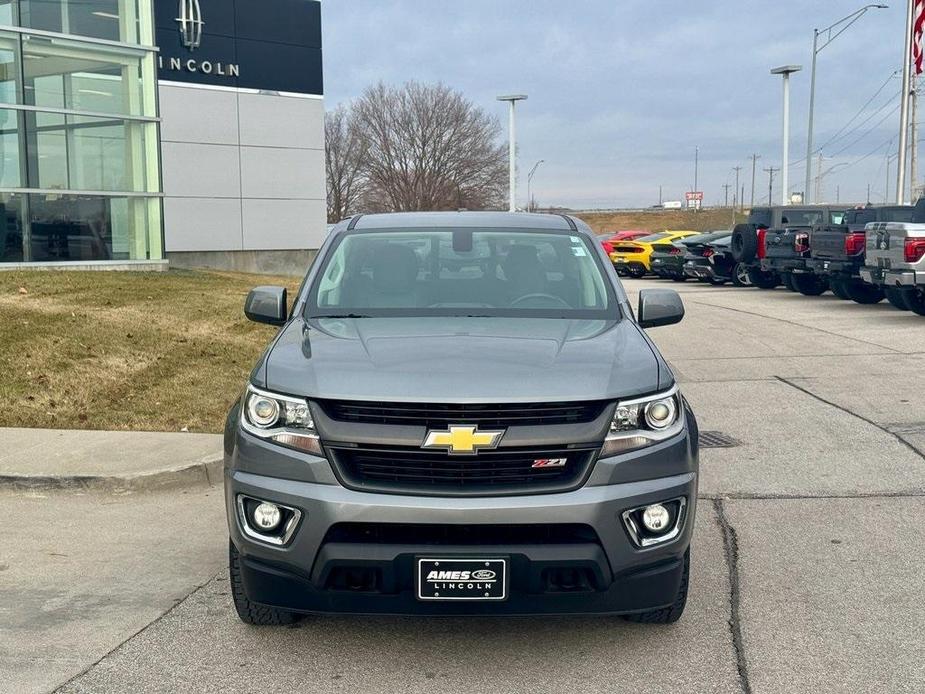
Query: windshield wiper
[(342, 315)]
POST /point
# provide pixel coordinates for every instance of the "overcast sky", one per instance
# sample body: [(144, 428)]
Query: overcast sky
[(622, 91)]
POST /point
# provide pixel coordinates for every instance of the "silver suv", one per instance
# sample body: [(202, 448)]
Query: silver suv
[(461, 414)]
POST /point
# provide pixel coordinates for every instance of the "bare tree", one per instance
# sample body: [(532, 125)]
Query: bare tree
[(426, 147), (343, 155)]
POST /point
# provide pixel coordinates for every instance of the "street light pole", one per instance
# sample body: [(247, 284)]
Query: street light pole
[(850, 19), (785, 71), (904, 107), (529, 181), (512, 148)]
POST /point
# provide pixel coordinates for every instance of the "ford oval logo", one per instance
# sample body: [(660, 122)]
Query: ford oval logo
[(483, 575)]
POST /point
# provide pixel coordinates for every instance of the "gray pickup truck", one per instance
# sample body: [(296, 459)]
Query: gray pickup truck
[(895, 260), (838, 252), (461, 414)]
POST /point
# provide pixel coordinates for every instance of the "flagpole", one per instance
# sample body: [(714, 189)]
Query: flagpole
[(904, 109)]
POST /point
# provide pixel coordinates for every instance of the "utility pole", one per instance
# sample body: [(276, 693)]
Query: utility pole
[(726, 187), (736, 189), (755, 158), (696, 167), (771, 171), (914, 145), (742, 199), (837, 194), (904, 107), (817, 196), (659, 196), (868, 193)]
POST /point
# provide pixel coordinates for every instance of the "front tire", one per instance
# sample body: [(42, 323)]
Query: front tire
[(740, 276), (861, 293), (916, 301), (762, 279), (252, 612), (897, 298), (809, 284), (839, 289), (671, 614)]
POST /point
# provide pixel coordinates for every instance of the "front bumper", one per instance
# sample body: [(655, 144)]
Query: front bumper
[(622, 577)]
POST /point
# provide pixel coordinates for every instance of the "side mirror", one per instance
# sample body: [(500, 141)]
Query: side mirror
[(659, 307), (267, 305)]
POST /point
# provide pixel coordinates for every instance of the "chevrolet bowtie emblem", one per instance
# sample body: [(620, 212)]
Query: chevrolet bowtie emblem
[(463, 440)]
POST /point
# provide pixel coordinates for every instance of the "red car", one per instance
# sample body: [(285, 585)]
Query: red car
[(628, 235)]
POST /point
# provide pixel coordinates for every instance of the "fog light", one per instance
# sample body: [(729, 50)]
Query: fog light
[(656, 518), (267, 516)]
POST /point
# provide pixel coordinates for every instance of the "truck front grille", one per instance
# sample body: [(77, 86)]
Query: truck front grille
[(410, 470), (434, 415)]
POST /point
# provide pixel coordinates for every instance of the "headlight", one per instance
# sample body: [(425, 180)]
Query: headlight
[(279, 418), (644, 421)]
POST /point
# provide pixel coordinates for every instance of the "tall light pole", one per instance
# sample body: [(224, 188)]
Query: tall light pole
[(529, 181), (831, 32), (904, 107), (785, 71), (512, 147)]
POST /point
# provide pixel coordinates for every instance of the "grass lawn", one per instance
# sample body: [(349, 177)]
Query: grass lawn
[(122, 350), (710, 219)]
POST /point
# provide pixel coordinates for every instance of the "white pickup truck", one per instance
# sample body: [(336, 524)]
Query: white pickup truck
[(895, 260)]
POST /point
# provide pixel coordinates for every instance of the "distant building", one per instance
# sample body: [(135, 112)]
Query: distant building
[(134, 131)]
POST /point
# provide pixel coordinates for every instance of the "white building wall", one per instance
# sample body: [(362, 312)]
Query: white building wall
[(243, 171)]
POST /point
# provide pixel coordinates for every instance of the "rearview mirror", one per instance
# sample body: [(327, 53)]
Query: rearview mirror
[(659, 307), (266, 305)]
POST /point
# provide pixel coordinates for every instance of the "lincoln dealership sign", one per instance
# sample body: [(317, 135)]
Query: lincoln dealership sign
[(271, 45)]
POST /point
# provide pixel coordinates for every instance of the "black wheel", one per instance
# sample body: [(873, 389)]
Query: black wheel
[(838, 288), (762, 279), (682, 278), (897, 298), (862, 293), (787, 280), (740, 276), (809, 284), (668, 615), (251, 612), (744, 244), (916, 301), (636, 272)]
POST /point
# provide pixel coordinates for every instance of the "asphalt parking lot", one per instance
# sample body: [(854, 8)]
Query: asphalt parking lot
[(806, 572)]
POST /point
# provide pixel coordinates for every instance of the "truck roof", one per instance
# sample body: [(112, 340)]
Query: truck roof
[(465, 219)]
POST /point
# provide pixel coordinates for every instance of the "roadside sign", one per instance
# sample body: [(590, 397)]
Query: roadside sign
[(694, 199)]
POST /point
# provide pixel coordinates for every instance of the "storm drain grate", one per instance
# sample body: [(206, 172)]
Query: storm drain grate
[(717, 439)]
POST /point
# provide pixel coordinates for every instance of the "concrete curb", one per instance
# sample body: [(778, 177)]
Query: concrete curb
[(205, 472)]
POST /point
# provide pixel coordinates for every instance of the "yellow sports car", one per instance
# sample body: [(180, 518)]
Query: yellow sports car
[(632, 257)]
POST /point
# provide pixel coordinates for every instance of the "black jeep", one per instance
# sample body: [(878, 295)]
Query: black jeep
[(774, 245), (838, 251)]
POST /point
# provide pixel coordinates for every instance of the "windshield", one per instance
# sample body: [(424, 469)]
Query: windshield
[(461, 272)]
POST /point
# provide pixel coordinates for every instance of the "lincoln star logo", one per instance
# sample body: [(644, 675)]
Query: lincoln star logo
[(190, 20), (463, 439)]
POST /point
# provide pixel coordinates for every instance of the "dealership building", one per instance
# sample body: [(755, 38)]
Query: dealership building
[(137, 132)]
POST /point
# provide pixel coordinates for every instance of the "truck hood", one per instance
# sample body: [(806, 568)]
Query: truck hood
[(462, 360)]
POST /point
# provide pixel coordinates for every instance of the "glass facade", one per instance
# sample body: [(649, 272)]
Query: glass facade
[(79, 157)]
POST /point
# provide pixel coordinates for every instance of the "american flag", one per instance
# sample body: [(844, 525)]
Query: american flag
[(918, 29)]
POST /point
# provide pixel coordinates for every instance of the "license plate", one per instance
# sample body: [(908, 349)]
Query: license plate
[(462, 579), (656, 262)]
